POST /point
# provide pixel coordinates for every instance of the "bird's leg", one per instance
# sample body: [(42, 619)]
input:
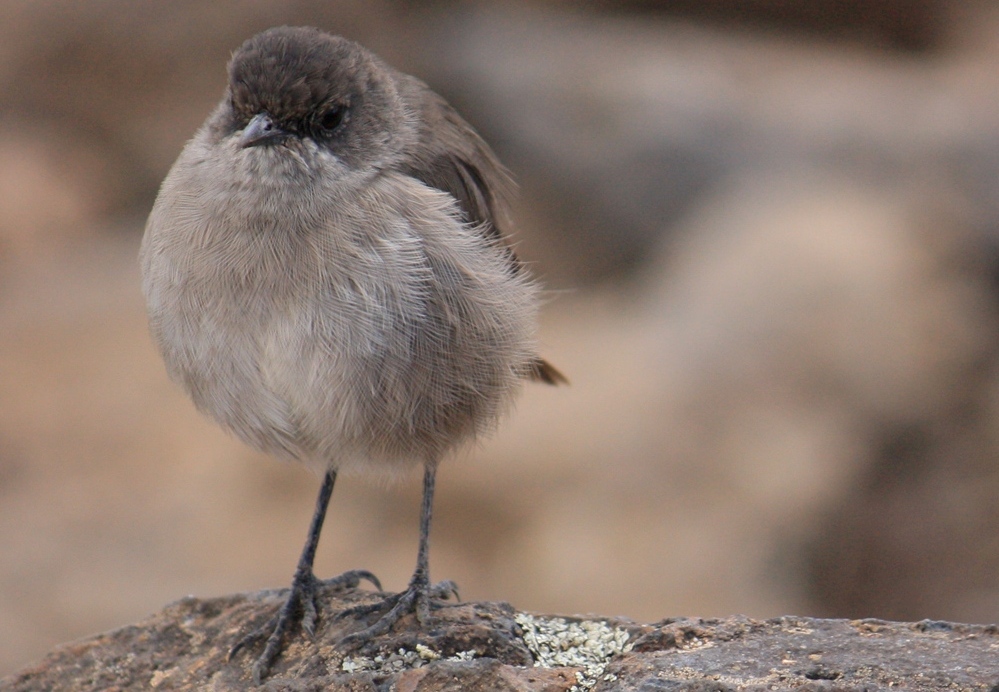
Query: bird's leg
[(301, 602), (419, 594)]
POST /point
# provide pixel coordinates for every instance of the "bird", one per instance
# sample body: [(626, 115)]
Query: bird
[(328, 275)]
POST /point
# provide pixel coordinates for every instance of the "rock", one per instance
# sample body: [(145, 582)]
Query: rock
[(492, 647)]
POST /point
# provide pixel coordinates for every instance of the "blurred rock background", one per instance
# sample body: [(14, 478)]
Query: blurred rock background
[(769, 233)]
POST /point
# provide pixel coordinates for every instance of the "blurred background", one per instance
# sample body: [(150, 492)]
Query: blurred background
[(768, 229)]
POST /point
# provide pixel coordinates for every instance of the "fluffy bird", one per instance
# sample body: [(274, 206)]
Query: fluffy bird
[(326, 276)]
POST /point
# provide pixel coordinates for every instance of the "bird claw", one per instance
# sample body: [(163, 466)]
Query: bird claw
[(417, 598), (443, 590), (300, 605), (352, 579)]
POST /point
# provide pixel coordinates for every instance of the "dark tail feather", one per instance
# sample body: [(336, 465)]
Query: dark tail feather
[(543, 371)]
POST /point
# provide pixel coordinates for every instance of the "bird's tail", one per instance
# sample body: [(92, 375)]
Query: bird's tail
[(543, 371)]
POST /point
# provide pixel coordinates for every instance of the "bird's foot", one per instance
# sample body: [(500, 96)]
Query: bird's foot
[(418, 598), (301, 606)]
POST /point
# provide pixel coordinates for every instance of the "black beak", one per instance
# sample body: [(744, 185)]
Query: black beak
[(261, 130)]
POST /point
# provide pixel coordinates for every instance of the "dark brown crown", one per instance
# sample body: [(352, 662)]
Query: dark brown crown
[(293, 72)]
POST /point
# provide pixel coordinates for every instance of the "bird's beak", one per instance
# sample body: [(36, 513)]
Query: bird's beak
[(261, 130)]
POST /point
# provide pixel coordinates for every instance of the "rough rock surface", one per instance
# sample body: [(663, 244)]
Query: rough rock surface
[(492, 647)]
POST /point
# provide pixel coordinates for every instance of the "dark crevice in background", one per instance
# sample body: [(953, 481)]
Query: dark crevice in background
[(911, 26)]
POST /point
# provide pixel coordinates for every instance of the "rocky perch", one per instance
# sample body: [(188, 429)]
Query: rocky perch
[(492, 647)]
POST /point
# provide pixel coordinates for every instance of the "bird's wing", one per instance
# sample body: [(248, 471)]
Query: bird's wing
[(450, 156)]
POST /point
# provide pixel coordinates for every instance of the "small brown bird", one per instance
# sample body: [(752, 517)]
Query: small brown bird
[(326, 276)]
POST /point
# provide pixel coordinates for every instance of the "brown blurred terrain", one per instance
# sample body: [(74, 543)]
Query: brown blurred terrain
[(771, 247)]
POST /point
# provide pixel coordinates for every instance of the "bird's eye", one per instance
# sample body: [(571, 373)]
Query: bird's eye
[(333, 118)]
